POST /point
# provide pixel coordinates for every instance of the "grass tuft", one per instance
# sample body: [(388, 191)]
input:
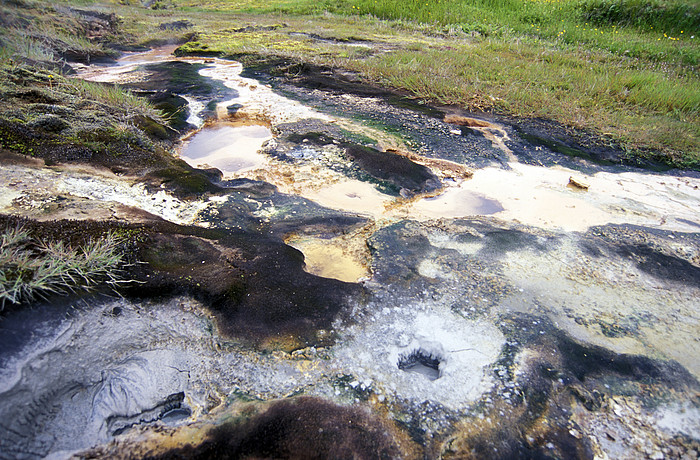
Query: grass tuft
[(15, 44), (113, 96), (30, 268)]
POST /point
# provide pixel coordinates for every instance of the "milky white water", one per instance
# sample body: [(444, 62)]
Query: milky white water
[(34, 190), (541, 197), (258, 101), (123, 71)]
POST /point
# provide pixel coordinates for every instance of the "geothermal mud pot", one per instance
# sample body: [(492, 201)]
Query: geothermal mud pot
[(499, 299)]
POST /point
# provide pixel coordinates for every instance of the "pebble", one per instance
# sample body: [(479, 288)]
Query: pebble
[(578, 183)]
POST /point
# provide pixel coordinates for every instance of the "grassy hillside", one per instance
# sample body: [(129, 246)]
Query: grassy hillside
[(626, 70)]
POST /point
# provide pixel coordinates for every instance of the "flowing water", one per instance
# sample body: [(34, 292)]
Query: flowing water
[(479, 282)]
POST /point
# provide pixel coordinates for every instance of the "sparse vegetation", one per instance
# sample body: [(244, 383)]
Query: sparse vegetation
[(31, 268), (113, 96), (33, 84)]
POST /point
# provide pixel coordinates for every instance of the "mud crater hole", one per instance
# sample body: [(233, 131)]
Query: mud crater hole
[(420, 361)]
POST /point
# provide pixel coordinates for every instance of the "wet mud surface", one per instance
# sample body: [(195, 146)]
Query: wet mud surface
[(376, 279), (237, 274)]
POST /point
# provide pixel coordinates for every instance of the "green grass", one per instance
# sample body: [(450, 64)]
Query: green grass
[(111, 95), (15, 44), (578, 22), (645, 28), (673, 16), (610, 96), (63, 40), (30, 268), (43, 32)]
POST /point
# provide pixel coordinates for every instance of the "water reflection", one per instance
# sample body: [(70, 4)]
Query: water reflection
[(227, 147)]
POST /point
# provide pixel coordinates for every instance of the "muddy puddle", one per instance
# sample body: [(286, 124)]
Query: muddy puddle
[(331, 259), (502, 309), (232, 149)]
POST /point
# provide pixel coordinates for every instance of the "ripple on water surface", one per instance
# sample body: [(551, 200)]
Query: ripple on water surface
[(229, 148)]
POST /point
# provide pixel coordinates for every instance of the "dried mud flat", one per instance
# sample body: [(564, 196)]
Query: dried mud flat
[(455, 292)]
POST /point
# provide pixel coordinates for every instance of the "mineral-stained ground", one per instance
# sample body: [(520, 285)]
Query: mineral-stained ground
[(370, 278)]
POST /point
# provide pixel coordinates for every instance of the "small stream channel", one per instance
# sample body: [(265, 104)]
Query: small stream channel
[(502, 298)]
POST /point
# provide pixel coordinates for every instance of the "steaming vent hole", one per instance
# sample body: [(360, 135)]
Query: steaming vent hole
[(421, 362)]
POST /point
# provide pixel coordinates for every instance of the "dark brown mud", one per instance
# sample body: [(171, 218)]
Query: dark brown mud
[(256, 286), (299, 428), (180, 78), (397, 170)]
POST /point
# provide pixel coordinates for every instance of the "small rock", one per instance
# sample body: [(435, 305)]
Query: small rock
[(578, 183)]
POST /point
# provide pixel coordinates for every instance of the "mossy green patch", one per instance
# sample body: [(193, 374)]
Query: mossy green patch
[(237, 41), (188, 181), (15, 137)]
